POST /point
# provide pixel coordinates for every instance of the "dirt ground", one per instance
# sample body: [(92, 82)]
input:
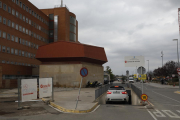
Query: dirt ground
[(8, 108)]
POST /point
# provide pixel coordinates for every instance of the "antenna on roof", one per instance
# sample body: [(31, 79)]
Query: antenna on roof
[(61, 3)]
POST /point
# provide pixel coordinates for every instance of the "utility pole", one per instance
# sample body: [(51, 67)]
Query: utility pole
[(162, 57)]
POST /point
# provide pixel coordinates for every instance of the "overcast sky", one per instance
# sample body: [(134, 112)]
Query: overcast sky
[(126, 28)]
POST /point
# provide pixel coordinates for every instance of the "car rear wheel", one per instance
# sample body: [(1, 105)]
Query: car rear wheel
[(107, 102)]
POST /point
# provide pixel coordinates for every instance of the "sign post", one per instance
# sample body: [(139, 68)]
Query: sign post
[(83, 73)]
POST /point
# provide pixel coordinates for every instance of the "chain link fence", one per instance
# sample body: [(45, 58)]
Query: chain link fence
[(101, 90)]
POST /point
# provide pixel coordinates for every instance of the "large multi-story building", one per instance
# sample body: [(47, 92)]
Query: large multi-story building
[(23, 28)]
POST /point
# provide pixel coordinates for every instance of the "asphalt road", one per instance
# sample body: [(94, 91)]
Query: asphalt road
[(166, 107), (166, 103)]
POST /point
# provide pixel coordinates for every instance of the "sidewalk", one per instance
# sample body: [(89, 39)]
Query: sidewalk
[(158, 85), (66, 100)]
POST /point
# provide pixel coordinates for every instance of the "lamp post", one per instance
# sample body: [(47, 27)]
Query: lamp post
[(178, 58), (148, 69), (162, 57)]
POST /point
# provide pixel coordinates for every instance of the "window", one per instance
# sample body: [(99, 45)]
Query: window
[(4, 6), (27, 8), (13, 1), (30, 22), (9, 9), (3, 61), (26, 31), (12, 62), (0, 33), (37, 16), (29, 55), (4, 21), (32, 12), (12, 37), (13, 11), (19, 52), (0, 4), (19, 40), (12, 50), (26, 54), (23, 18), (26, 43), (20, 16), (3, 48), (17, 2), (17, 14), (20, 4), (29, 32), (17, 26), (16, 52), (32, 45), (24, 6), (27, 20), (4, 35), (12, 24), (16, 39), (22, 53), (20, 28), (8, 49), (23, 30), (0, 19), (37, 46), (0, 47), (8, 36), (23, 42), (9, 23), (29, 44)]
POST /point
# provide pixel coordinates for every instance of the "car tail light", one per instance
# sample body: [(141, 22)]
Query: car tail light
[(108, 92), (124, 92)]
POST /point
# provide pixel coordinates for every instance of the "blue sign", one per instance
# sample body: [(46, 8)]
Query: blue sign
[(139, 75), (83, 72)]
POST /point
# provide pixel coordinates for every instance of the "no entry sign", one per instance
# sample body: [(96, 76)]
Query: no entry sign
[(83, 72)]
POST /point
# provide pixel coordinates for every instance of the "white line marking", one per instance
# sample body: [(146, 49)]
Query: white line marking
[(178, 111), (166, 96), (171, 114), (159, 114), (151, 114)]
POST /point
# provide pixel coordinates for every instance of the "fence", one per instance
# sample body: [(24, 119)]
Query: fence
[(136, 90), (101, 90)]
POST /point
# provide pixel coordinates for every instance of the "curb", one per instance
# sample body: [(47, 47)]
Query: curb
[(99, 97), (71, 111)]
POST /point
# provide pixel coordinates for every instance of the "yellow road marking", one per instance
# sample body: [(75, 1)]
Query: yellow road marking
[(178, 92)]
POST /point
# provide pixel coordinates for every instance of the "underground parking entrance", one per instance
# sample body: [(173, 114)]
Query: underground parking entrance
[(133, 98)]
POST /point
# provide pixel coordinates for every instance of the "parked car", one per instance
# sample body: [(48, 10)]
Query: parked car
[(117, 93)]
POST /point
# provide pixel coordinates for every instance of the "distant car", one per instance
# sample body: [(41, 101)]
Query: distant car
[(131, 80), (117, 93)]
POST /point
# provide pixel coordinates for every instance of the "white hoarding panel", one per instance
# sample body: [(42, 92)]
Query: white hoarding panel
[(133, 61), (45, 87), (29, 89)]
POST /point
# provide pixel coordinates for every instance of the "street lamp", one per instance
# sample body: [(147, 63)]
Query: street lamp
[(178, 58), (162, 57), (148, 69)]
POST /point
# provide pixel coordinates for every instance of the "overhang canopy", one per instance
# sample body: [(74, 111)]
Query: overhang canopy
[(62, 51)]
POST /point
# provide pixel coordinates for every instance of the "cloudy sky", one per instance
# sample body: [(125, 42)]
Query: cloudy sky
[(126, 28)]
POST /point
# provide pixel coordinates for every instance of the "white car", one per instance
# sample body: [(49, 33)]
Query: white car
[(131, 80), (117, 93)]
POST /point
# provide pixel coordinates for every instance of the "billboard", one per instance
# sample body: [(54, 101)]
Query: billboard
[(134, 61), (29, 89), (45, 87)]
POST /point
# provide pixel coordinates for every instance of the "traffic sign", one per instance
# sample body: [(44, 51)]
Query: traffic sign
[(144, 97), (143, 70), (178, 73), (84, 72), (178, 69), (139, 75)]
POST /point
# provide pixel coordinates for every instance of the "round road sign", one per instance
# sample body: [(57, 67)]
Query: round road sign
[(144, 97), (83, 72), (178, 69)]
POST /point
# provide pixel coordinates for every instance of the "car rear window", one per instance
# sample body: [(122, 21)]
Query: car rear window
[(116, 88)]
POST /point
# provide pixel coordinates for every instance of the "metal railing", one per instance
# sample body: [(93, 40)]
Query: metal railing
[(137, 91), (101, 90)]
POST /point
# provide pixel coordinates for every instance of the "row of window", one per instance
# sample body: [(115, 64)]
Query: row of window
[(22, 29), (25, 19), (17, 52), (22, 5), (19, 76), (18, 40)]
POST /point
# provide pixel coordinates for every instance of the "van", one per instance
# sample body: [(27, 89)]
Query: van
[(131, 79)]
